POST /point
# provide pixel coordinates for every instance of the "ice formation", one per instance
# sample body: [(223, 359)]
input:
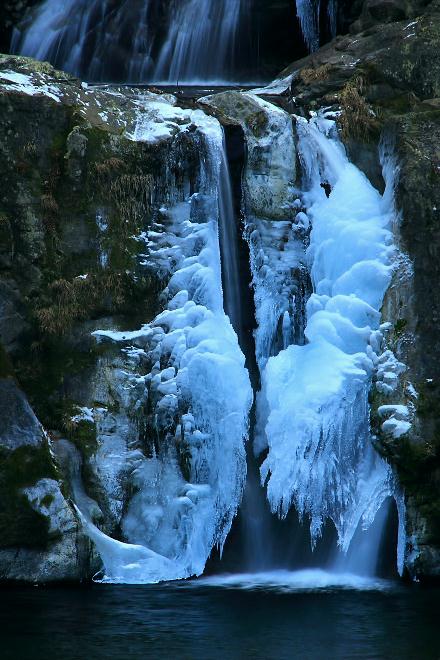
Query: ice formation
[(275, 242), (184, 372), (320, 457), (308, 13), (188, 482)]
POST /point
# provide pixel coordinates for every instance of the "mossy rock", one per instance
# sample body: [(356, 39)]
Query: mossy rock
[(20, 524), (84, 436)]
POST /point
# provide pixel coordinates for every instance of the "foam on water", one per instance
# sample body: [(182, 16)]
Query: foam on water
[(293, 581)]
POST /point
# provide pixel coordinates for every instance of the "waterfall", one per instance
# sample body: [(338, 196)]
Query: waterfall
[(146, 41), (228, 233), (312, 413), (136, 41), (84, 36), (201, 42), (321, 258)]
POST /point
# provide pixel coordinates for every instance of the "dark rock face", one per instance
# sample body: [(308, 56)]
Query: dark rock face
[(19, 424), (416, 334), (384, 11), (40, 538)]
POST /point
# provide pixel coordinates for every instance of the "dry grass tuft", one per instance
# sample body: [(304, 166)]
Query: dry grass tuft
[(75, 300), (49, 204), (310, 75), (109, 167), (357, 119), (132, 194)]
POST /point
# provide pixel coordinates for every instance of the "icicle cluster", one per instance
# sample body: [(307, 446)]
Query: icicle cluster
[(308, 12)]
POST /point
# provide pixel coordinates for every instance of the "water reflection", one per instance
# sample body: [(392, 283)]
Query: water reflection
[(187, 621)]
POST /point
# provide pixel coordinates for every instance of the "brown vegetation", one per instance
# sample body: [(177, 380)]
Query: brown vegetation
[(77, 299), (357, 119), (310, 75)]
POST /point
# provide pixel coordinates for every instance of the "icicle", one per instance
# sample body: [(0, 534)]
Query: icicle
[(287, 329), (308, 14)]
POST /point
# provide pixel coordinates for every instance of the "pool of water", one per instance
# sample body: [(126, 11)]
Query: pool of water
[(307, 615)]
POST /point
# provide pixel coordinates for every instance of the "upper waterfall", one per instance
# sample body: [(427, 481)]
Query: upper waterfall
[(201, 41), (171, 42)]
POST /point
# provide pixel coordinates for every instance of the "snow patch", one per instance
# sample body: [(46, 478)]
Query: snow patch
[(32, 85)]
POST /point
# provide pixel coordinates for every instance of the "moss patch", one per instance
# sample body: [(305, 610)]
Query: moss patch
[(399, 327), (20, 525), (82, 433), (47, 500)]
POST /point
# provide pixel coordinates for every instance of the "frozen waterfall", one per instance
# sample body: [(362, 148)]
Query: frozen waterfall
[(320, 458), (188, 487), (321, 259)]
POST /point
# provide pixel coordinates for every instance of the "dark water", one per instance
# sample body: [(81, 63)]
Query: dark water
[(206, 622)]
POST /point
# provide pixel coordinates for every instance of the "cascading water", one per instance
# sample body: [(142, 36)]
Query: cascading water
[(170, 41), (229, 248), (255, 515), (201, 41), (180, 41)]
